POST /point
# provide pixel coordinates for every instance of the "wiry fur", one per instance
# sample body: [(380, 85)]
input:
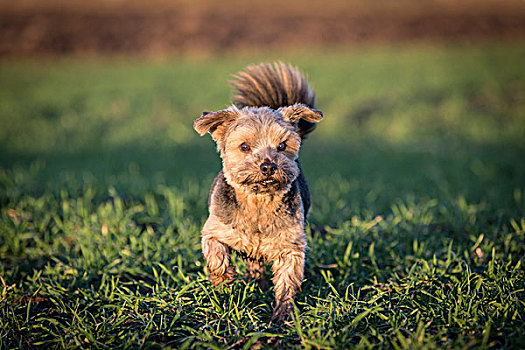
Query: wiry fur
[(273, 86), (259, 214)]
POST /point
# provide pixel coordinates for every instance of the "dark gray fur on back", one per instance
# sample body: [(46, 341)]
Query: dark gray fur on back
[(224, 197)]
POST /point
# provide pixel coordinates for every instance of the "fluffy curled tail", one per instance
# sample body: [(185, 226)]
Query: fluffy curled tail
[(274, 85)]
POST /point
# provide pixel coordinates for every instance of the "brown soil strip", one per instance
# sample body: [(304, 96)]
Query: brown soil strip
[(180, 28)]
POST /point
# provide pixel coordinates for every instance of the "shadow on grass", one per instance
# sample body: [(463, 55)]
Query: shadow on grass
[(370, 171)]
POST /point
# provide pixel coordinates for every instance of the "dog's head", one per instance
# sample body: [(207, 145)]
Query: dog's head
[(258, 145)]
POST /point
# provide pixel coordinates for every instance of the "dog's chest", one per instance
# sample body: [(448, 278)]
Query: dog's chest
[(255, 213), (262, 223), (258, 222), (264, 215)]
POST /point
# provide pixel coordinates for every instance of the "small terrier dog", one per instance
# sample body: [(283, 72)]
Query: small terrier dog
[(259, 202)]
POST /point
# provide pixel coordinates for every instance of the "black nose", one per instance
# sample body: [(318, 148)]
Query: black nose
[(268, 169)]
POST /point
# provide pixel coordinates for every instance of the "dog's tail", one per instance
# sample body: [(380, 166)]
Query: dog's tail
[(274, 85)]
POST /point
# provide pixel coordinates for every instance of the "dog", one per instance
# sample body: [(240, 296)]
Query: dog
[(259, 201)]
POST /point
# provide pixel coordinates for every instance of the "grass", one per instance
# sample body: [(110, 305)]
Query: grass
[(416, 234)]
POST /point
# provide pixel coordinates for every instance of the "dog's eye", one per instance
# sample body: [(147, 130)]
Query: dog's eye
[(245, 148), (281, 147)]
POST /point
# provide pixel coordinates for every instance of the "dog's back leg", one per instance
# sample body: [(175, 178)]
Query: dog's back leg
[(256, 270)]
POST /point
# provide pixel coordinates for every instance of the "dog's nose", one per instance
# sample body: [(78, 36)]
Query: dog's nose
[(268, 169)]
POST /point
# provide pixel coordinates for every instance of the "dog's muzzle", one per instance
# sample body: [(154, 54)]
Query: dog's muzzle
[(268, 169)]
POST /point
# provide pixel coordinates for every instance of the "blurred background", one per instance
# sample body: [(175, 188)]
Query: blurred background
[(107, 91), (181, 26), (101, 86)]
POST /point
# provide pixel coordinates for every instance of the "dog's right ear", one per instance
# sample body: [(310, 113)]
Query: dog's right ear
[(214, 123)]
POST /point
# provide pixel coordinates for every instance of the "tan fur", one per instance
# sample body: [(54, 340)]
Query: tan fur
[(254, 211)]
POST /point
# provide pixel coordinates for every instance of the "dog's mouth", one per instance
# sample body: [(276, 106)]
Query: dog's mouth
[(268, 182), (264, 184)]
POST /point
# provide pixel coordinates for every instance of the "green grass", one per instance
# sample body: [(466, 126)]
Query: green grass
[(416, 234)]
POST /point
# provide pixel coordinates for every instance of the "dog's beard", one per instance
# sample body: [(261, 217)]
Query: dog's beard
[(249, 177)]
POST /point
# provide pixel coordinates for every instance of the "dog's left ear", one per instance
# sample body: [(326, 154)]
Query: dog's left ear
[(293, 114), (214, 123)]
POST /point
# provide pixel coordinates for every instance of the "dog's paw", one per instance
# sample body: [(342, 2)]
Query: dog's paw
[(217, 279), (230, 272)]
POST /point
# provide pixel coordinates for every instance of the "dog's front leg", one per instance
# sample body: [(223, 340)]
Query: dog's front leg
[(217, 257), (288, 271)]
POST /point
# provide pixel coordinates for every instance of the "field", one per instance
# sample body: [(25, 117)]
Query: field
[(416, 234)]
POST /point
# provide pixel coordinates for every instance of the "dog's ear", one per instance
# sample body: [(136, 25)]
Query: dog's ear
[(293, 114), (303, 117), (214, 123)]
